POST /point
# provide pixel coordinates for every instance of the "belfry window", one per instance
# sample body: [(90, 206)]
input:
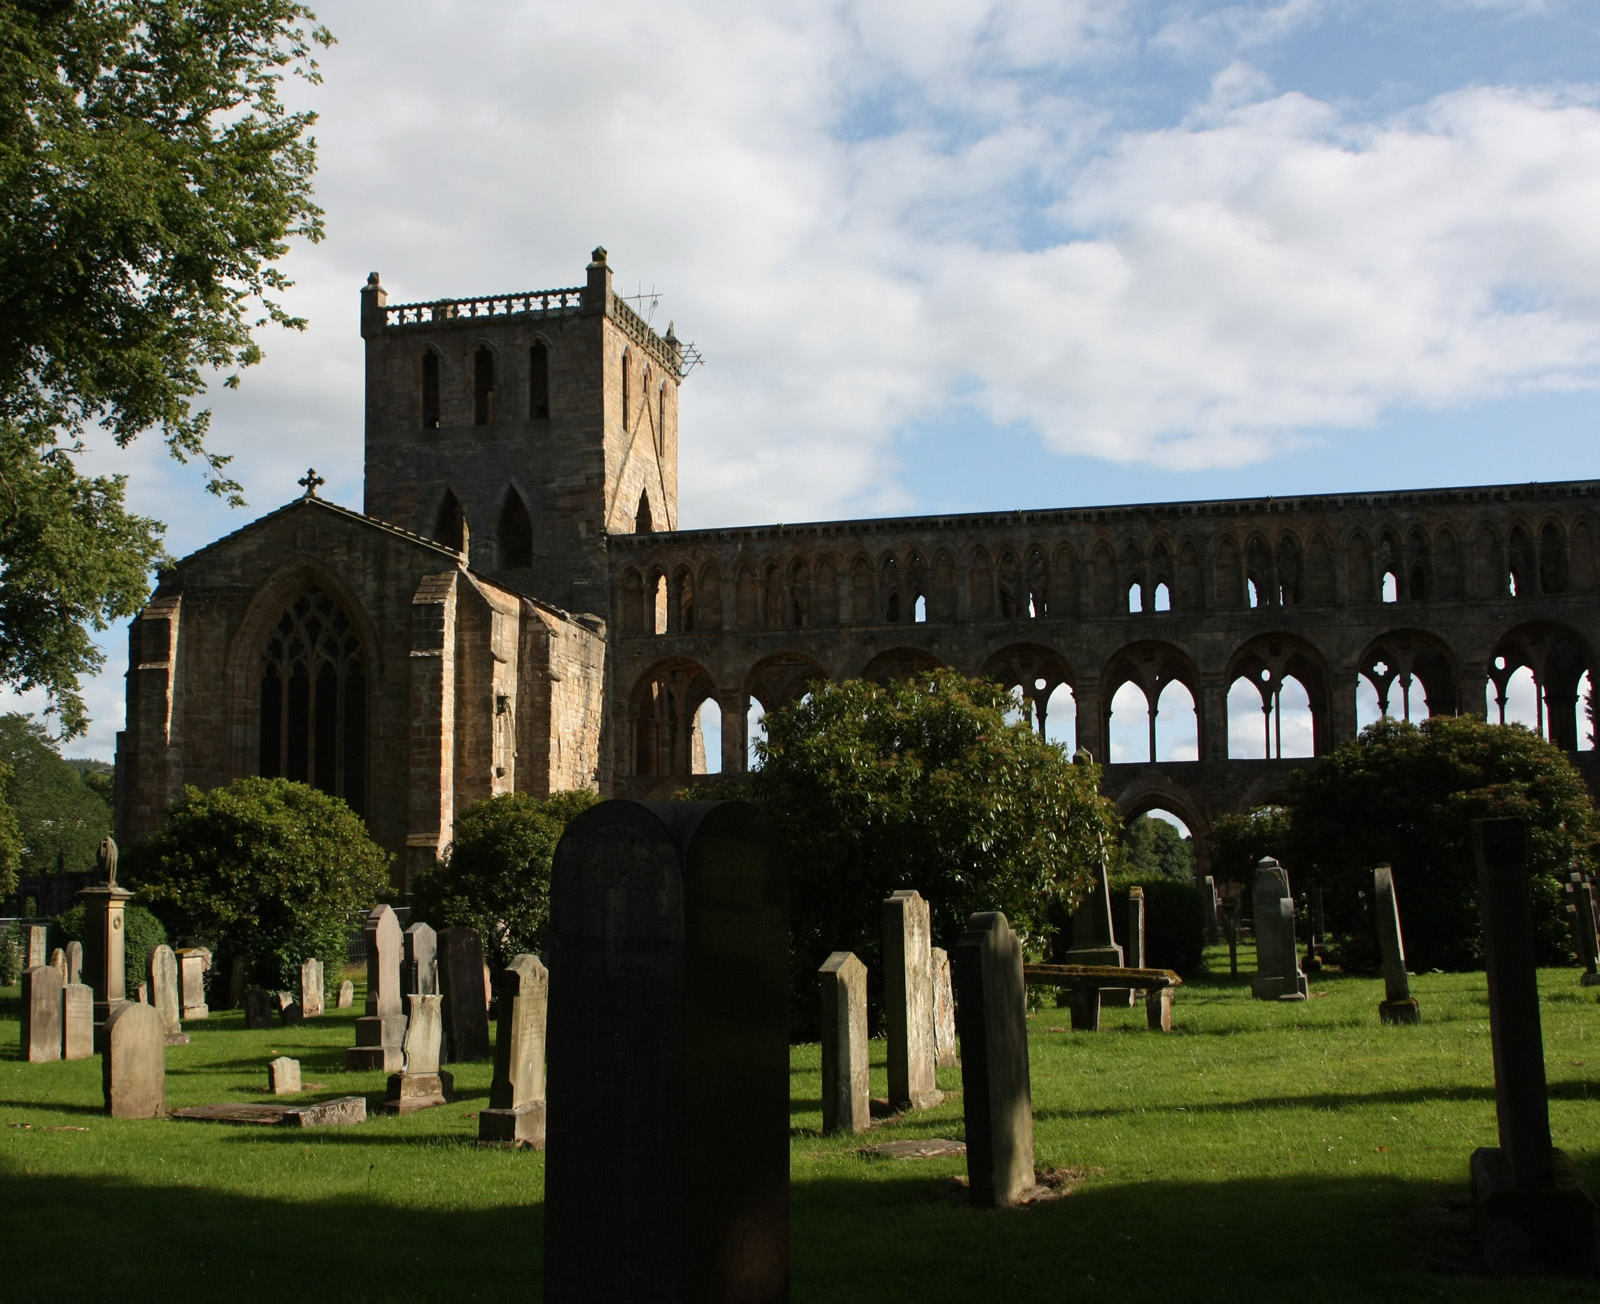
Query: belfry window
[(430, 390), (314, 700), (516, 533), (450, 525), (539, 381), (483, 386), (642, 521)]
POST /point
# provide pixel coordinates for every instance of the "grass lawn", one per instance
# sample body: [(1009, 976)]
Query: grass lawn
[(1267, 1152)]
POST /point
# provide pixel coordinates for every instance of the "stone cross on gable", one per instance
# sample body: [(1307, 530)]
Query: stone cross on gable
[(311, 480)]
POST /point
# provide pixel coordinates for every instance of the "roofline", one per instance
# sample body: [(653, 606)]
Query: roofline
[(309, 499)]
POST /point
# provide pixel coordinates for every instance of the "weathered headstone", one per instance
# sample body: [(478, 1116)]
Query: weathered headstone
[(74, 962), (289, 1011), (193, 962), (488, 989), (381, 1030), (1158, 1010), (41, 1014), (77, 1021), (141, 993), (311, 987), (1585, 933), (421, 1084), (992, 1015), (104, 949), (908, 1001), (516, 1096), (1132, 948), (1398, 1006), (58, 962), (347, 994), (258, 1005), (1208, 903), (846, 1105), (945, 1048), (1093, 942), (162, 974), (1532, 1212), (38, 940), (466, 1021), (667, 1169), (134, 1066), (283, 1076), (1278, 976), (419, 963)]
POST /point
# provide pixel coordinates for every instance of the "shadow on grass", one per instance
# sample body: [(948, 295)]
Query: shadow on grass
[(1330, 1101)]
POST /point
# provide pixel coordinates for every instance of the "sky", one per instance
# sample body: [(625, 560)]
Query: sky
[(957, 256)]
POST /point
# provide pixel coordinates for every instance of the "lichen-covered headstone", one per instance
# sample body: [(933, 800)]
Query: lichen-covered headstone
[(134, 1065), (347, 994), (908, 1001), (311, 987), (419, 964), (193, 962), (421, 1084), (37, 942), (283, 1076), (382, 1029), (58, 962), (77, 1021), (845, 1103), (1398, 1005), (41, 1014), (516, 1096), (162, 977), (74, 962), (1278, 976), (945, 1048), (289, 1011)]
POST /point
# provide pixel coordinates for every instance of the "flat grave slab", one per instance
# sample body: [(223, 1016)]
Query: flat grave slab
[(928, 1147), (339, 1112)]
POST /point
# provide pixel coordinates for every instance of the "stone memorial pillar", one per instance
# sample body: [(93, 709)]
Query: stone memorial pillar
[(1398, 1005), (419, 964), (466, 1021), (1278, 976), (41, 1014), (1208, 903), (311, 987), (945, 1048), (74, 962), (516, 1096), (846, 1106), (77, 1021), (992, 1016), (134, 1066), (380, 1032), (161, 972), (908, 1001), (667, 1167), (1532, 1212), (104, 939), (422, 1084)]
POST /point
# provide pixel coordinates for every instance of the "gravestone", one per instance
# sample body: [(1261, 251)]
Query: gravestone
[(193, 963), (1132, 948), (992, 1015), (311, 987), (466, 1020), (516, 1095), (1532, 1212), (846, 1106), (289, 1011), (380, 1031), (134, 1067), (908, 1001), (258, 1008), (41, 1014), (162, 975), (667, 1167), (1158, 1010), (1208, 903), (944, 1011), (347, 994), (1278, 976), (77, 1021), (74, 962), (421, 1084), (283, 1076), (1398, 1006), (488, 989), (104, 936), (38, 940), (58, 962), (419, 963), (238, 982), (1585, 934), (1093, 942)]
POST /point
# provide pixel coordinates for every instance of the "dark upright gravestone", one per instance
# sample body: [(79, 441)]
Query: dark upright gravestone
[(1531, 1210), (516, 1096), (667, 1160), (466, 1021), (1585, 929), (1094, 942), (1398, 1006), (992, 1022), (419, 965), (41, 1014)]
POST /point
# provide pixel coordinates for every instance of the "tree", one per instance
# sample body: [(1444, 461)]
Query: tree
[(495, 875), (268, 869), (150, 176), (10, 840), (1239, 841), (1403, 795), (1155, 850), (60, 820), (922, 784)]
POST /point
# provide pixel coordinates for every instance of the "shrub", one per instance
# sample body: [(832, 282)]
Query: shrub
[(1173, 923), (268, 869), (142, 933), (10, 955)]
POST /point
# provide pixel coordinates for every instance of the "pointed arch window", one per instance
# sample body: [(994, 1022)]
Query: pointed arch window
[(430, 390), (627, 363), (314, 700), (516, 533), (539, 381), (642, 522), (450, 526), (661, 420), (482, 386)]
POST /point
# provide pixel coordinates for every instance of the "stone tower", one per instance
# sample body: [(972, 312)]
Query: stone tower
[(522, 429)]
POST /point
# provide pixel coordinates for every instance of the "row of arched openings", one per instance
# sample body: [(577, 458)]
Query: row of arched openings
[(514, 529), (486, 366)]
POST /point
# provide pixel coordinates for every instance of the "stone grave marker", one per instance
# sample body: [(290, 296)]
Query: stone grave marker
[(419, 963), (134, 1065), (944, 1011), (1278, 976), (74, 962), (41, 1014), (1132, 948), (289, 1011), (257, 1008), (992, 1015), (1398, 1005), (347, 994), (104, 937), (311, 1001), (382, 1029), (1532, 1212), (58, 962), (908, 1001), (667, 1167), (1585, 935), (193, 962), (37, 955), (466, 1021), (1208, 903), (516, 1096), (161, 971), (421, 1084), (846, 1106), (1093, 942), (283, 1076), (77, 1021)]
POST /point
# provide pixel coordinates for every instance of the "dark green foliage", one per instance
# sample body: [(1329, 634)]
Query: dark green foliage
[(265, 868), (921, 784), (150, 176), (1239, 841), (1403, 795), (1173, 923), (60, 819), (495, 876), (1156, 849), (99, 777), (143, 932), (10, 954)]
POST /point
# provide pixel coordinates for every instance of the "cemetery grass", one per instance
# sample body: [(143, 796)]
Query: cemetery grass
[(1294, 1151)]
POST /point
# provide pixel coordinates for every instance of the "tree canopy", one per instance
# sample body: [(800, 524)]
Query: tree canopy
[(59, 818), (150, 176), (1239, 841), (1155, 849)]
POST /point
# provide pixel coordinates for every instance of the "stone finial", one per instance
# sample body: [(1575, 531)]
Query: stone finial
[(310, 480), (598, 257), (372, 280), (108, 860)]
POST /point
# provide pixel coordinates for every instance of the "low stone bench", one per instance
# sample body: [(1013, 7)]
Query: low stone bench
[(1084, 981)]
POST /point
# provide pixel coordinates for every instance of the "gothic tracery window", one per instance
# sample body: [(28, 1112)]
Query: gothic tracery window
[(314, 700)]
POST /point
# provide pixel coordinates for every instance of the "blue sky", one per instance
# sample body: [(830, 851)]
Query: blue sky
[(952, 256)]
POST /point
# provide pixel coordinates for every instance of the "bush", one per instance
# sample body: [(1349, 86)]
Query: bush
[(142, 933), (10, 955), (59, 819), (495, 875), (1174, 923), (267, 869)]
